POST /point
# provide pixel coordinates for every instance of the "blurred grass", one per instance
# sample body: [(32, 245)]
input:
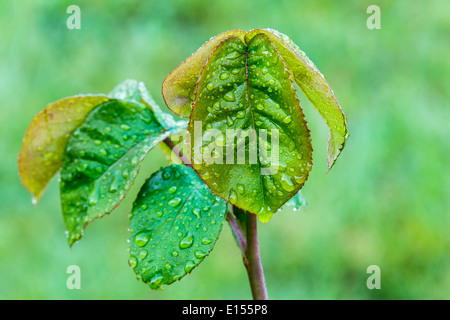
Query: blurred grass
[(386, 202)]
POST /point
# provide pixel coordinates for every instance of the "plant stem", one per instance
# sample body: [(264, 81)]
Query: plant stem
[(236, 229), (178, 152), (253, 263)]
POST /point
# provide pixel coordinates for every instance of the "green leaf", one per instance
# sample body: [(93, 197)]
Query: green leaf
[(136, 91), (46, 138), (179, 86), (247, 86), (102, 159), (174, 225), (314, 86)]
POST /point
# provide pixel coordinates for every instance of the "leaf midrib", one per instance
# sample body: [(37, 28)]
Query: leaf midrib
[(253, 124)]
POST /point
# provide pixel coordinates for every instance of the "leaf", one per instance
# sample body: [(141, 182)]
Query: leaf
[(247, 87), (102, 159), (174, 225), (314, 86), (46, 137), (179, 86), (136, 91)]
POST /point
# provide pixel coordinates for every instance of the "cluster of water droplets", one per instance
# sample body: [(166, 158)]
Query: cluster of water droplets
[(174, 224), (101, 161)]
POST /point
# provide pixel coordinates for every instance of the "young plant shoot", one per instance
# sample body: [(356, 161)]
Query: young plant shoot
[(245, 152)]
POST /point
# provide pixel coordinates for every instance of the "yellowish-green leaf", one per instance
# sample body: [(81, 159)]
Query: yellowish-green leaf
[(46, 137), (179, 86)]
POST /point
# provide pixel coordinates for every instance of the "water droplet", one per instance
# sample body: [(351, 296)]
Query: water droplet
[(197, 212), (125, 127), (206, 175), (206, 241), (144, 206), (299, 180), (199, 254), (235, 71), (143, 254), (233, 196), (132, 262), (230, 96), (241, 188), (94, 196), (229, 121), (156, 281), (172, 189), (142, 238), (287, 183), (174, 253), (114, 186), (216, 106), (187, 241), (220, 140), (125, 173), (210, 86), (166, 175), (259, 107), (240, 114), (189, 266), (224, 75), (233, 55), (168, 266), (97, 142), (174, 202), (287, 120), (103, 152)]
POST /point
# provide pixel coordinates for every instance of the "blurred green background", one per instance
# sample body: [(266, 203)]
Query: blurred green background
[(386, 202)]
